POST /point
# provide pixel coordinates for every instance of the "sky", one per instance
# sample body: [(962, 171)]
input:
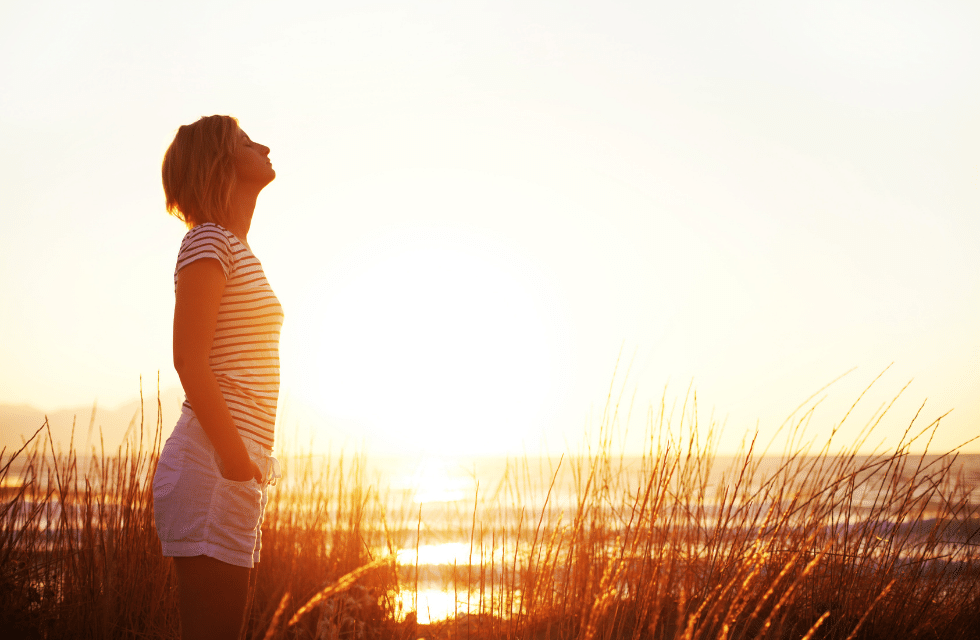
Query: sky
[(490, 216)]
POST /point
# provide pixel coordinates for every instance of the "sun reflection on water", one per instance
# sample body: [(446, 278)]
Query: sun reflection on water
[(439, 480), (436, 480), (437, 602), (448, 554)]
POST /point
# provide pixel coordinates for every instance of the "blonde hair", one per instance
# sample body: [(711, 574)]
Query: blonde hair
[(199, 170)]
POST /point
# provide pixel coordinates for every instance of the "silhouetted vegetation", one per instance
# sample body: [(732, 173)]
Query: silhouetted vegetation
[(810, 543)]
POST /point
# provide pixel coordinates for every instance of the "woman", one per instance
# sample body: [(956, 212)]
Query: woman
[(211, 483)]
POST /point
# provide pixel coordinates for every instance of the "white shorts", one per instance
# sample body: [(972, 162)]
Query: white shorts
[(200, 513)]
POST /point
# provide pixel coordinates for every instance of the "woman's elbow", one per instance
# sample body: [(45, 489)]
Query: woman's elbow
[(179, 364), (187, 366)]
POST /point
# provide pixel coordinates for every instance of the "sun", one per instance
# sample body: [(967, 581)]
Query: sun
[(436, 340)]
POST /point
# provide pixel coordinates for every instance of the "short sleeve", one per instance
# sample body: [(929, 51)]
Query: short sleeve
[(206, 241)]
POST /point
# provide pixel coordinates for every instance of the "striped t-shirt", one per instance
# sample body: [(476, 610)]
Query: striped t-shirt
[(245, 351)]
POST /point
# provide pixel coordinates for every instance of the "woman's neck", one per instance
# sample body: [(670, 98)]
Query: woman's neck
[(240, 214)]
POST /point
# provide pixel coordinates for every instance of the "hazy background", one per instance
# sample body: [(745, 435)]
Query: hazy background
[(479, 206)]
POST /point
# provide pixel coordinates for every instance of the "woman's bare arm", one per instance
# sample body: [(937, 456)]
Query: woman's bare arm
[(199, 288)]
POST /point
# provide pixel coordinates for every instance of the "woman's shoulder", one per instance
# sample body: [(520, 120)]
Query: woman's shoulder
[(209, 240), (214, 234), (207, 230)]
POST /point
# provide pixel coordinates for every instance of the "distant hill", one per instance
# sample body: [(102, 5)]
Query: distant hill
[(19, 422), (300, 425)]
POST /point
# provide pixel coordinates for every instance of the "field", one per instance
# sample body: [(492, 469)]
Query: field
[(810, 542)]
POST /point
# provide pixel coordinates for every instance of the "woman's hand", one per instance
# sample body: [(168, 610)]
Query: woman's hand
[(241, 473)]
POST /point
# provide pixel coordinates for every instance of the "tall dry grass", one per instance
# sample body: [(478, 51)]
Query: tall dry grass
[(80, 558), (811, 542)]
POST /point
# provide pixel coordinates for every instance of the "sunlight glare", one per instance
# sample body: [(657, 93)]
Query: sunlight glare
[(433, 482), (450, 553), (436, 341), (433, 604)]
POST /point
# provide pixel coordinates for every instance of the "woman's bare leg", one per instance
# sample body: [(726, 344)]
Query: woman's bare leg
[(212, 598)]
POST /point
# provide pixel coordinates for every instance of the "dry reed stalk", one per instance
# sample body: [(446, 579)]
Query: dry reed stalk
[(270, 632), (345, 582)]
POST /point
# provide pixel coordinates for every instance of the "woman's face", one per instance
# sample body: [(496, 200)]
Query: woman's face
[(252, 164)]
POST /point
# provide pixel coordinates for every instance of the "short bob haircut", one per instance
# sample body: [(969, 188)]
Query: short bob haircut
[(199, 170)]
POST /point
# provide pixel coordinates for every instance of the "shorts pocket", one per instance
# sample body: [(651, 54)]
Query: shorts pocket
[(169, 465), (236, 509)]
